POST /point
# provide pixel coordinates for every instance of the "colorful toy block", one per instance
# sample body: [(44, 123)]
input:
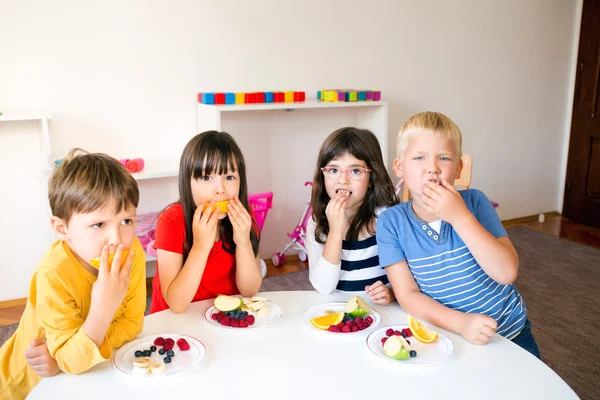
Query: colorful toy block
[(289, 97), (369, 94), (260, 97), (208, 98), (268, 97), (335, 95), (362, 95), (250, 98), (299, 96), (278, 97), (219, 98), (229, 98), (240, 98)]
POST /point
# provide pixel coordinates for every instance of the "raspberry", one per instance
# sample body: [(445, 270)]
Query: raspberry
[(340, 325), (389, 332), (354, 328), (249, 319), (214, 316), (168, 346), (360, 326), (383, 340), (224, 321), (235, 323), (346, 329), (358, 320), (334, 328), (221, 314), (183, 344), (407, 332), (171, 341), (243, 324), (349, 322), (159, 341), (397, 333), (369, 320), (368, 323)]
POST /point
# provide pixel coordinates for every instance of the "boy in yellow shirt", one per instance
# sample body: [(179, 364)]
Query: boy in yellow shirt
[(77, 313)]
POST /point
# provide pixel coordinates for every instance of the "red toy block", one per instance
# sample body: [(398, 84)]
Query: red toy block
[(278, 97), (250, 98), (299, 96), (199, 97), (260, 97), (219, 98)]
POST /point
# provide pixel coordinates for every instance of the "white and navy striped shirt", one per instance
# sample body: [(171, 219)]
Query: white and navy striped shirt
[(358, 268), (443, 266)]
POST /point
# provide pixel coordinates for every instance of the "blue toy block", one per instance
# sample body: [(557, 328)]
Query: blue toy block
[(362, 96), (208, 98), (319, 94), (229, 98), (268, 97)]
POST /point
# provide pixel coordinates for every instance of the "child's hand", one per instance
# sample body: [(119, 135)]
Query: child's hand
[(39, 359), (380, 293), (204, 226), (444, 201), (336, 214), (110, 288), (240, 220), (478, 328)]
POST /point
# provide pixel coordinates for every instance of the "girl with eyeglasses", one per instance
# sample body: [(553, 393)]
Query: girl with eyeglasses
[(351, 187)]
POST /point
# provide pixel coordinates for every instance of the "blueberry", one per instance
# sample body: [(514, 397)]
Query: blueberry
[(404, 335), (147, 353), (161, 351), (167, 360), (153, 348), (139, 353), (170, 353), (413, 353), (408, 341), (244, 314)]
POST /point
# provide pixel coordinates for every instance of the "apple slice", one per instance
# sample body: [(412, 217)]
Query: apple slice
[(393, 349), (357, 307), (228, 303)]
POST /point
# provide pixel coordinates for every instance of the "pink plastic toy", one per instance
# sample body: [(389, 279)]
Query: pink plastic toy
[(297, 236), (261, 203), (135, 165)]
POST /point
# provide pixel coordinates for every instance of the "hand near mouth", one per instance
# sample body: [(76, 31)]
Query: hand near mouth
[(444, 201), (336, 213)]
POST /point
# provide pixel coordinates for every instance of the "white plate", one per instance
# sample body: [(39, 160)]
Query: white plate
[(337, 306), (275, 315), (182, 361), (427, 353)]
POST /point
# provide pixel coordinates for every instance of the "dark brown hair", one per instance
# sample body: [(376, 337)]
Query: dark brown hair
[(212, 152), (85, 182), (363, 145)]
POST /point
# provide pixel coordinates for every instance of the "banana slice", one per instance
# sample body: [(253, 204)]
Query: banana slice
[(246, 308), (158, 368), (143, 362), (257, 306), (258, 298), (264, 312), (405, 344)]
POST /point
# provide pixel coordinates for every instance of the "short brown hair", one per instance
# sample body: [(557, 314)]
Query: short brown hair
[(85, 182)]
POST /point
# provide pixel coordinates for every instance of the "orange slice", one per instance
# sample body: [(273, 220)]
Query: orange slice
[(95, 262), (420, 331), (325, 321), (220, 206)]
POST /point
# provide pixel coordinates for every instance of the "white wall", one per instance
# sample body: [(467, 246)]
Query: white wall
[(122, 77)]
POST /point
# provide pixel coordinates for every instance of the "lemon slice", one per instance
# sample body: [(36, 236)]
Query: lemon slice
[(420, 331), (325, 321)]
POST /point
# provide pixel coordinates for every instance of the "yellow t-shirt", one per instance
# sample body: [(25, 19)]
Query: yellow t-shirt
[(59, 301)]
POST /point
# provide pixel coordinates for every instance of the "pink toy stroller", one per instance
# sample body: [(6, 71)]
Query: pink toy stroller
[(297, 236), (261, 203)]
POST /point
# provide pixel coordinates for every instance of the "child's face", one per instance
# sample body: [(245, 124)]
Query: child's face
[(87, 233), (351, 177), (428, 158), (215, 187)]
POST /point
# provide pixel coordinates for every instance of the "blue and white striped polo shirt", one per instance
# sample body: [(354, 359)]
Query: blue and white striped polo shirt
[(443, 266)]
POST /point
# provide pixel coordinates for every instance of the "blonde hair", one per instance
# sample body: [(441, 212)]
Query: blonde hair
[(85, 182), (432, 122)]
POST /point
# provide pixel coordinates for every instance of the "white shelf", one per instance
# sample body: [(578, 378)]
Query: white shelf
[(291, 106), (158, 168), (30, 115)]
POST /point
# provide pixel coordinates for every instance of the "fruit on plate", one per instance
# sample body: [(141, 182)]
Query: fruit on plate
[(327, 320), (228, 303), (393, 348), (146, 366), (420, 331), (95, 262), (219, 206), (257, 306), (357, 307)]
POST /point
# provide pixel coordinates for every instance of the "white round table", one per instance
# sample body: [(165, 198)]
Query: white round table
[(289, 360)]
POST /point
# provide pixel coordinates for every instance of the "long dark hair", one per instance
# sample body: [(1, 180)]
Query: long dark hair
[(363, 145), (212, 152)]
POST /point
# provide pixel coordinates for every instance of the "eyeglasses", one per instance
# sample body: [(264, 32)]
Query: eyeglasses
[(354, 173)]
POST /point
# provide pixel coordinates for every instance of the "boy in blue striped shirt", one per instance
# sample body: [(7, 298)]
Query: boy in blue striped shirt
[(446, 253)]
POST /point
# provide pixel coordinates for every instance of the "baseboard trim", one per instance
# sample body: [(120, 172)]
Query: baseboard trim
[(13, 303), (529, 218)]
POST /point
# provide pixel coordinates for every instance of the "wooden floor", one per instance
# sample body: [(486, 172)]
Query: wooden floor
[(10, 312)]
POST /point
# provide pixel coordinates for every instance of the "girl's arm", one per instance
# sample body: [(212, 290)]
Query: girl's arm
[(476, 328), (323, 274), (248, 277)]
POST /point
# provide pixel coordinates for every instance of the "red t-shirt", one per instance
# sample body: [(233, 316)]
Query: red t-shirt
[(219, 273)]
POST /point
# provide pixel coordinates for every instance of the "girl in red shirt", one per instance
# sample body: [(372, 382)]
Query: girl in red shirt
[(203, 252)]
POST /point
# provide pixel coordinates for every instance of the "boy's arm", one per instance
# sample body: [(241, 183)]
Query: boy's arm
[(497, 257), (323, 275), (58, 312), (130, 323), (476, 328)]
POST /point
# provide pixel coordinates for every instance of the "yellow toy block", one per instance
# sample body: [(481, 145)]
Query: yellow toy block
[(240, 98), (289, 97)]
